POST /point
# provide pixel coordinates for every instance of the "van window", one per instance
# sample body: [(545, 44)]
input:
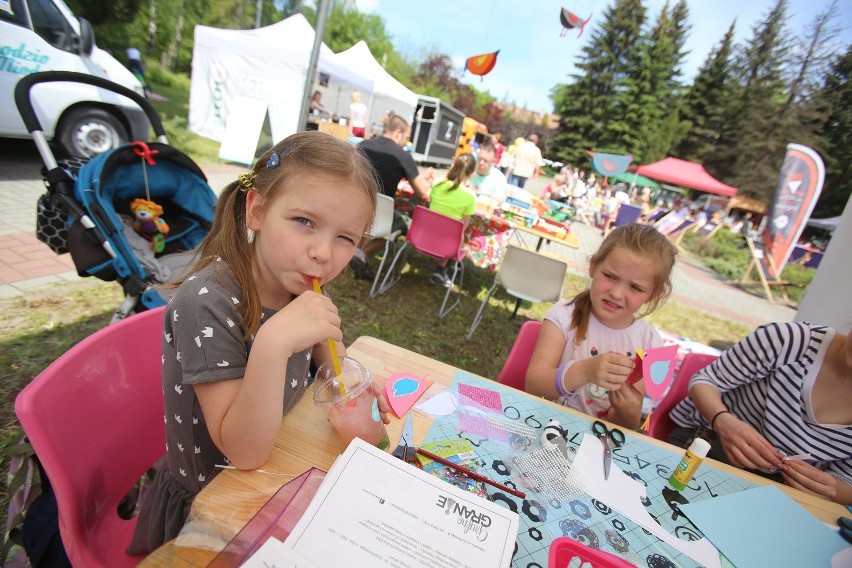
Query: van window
[(14, 13), (49, 23)]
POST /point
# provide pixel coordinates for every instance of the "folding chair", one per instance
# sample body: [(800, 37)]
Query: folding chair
[(95, 420), (435, 235), (626, 214), (526, 275), (514, 371), (677, 234), (660, 424), (765, 269), (383, 229)]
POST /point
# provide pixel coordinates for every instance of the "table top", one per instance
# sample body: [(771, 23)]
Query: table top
[(306, 440)]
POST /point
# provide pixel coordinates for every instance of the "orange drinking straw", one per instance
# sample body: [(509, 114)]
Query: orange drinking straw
[(335, 358)]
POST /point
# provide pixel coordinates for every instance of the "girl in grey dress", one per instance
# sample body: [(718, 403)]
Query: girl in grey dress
[(244, 325)]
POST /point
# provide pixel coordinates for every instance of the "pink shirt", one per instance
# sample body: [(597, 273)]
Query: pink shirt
[(590, 398)]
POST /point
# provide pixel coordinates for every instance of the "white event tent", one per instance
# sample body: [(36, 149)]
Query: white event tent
[(388, 93), (266, 65)]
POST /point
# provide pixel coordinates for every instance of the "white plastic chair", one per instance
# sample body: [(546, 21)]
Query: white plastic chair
[(383, 229), (526, 275)]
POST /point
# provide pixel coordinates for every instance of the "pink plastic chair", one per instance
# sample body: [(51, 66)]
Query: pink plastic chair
[(660, 424), (435, 235), (514, 371), (95, 420)]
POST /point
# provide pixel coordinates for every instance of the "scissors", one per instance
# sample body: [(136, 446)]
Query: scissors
[(606, 436), (405, 449)]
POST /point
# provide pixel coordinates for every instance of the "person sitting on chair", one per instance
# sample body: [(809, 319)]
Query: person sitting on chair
[(779, 401)]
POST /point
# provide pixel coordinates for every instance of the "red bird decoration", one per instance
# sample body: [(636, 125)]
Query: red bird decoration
[(571, 21), (481, 64)]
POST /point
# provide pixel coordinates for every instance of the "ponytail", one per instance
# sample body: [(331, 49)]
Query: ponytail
[(582, 303)]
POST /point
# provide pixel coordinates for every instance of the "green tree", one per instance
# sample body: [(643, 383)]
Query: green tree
[(804, 107), (836, 137), (346, 26), (705, 103), (584, 105), (645, 115), (750, 151)]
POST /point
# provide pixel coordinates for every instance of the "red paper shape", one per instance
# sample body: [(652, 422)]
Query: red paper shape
[(402, 391), (658, 367), (636, 374)]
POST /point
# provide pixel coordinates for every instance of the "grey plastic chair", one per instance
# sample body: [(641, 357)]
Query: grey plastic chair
[(383, 229), (526, 275)]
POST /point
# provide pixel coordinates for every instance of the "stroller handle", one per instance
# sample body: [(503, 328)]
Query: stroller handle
[(27, 112)]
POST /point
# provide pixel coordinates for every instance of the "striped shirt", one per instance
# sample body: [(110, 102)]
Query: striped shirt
[(766, 380)]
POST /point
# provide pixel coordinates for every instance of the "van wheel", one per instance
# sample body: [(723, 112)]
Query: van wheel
[(86, 132)]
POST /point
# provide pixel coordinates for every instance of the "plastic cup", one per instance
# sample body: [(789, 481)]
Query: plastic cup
[(356, 413)]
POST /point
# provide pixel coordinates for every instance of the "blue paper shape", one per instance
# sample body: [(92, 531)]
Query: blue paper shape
[(659, 370), (405, 386), (764, 527)]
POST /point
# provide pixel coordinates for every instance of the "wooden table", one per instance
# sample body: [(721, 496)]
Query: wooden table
[(307, 439)]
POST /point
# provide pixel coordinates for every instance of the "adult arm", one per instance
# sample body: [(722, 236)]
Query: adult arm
[(743, 444), (807, 478)]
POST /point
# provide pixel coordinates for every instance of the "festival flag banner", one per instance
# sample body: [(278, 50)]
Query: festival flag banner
[(798, 188)]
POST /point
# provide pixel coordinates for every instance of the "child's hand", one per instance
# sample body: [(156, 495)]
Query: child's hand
[(626, 398), (809, 479), (307, 320), (378, 387), (608, 370)]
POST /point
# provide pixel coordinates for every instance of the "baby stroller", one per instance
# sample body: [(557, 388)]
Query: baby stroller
[(132, 215)]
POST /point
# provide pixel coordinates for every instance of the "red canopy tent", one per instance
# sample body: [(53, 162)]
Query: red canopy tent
[(687, 174)]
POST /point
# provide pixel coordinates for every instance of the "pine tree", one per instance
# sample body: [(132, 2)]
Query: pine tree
[(750, 149), (836, 137), (804, 109), (706, 101), (584, 105), (649, 108)]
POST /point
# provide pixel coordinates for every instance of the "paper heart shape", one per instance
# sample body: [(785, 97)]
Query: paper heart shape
[(403, 389)]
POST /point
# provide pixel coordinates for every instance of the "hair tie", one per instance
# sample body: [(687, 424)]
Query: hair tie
[(246, 180)]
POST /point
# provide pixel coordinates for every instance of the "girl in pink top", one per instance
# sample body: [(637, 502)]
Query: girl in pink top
[(586, 346)]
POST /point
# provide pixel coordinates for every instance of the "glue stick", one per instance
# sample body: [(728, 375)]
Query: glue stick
[(689, 463)]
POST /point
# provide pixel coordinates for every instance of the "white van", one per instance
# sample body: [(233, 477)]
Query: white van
[(44, 35)]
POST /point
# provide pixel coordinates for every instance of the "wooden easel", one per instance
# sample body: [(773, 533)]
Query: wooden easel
[(764, 267)]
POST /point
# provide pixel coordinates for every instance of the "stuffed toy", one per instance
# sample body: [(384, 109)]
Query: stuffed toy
[(148, 222)]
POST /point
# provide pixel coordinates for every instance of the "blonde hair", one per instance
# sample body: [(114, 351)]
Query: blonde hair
[(461, 170), (312, 152), (639, 239), (356, 97)]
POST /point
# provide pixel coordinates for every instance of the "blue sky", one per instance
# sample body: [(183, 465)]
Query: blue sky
[(533, 57)]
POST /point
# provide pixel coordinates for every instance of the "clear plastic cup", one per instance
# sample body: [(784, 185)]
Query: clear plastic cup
[(356, 413)]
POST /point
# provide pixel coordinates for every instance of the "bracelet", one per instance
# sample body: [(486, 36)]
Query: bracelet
[(560, 376), (717, 415)]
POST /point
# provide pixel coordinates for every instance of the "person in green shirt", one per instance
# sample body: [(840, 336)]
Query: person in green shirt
[(451, 197)]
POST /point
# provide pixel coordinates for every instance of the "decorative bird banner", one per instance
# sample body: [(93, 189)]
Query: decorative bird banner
[(481, 64), (572, 21), (610, 164)]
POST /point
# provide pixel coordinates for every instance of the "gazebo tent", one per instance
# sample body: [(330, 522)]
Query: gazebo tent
[(388, 93), (635, 179), (267, 65), (686, 174)]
